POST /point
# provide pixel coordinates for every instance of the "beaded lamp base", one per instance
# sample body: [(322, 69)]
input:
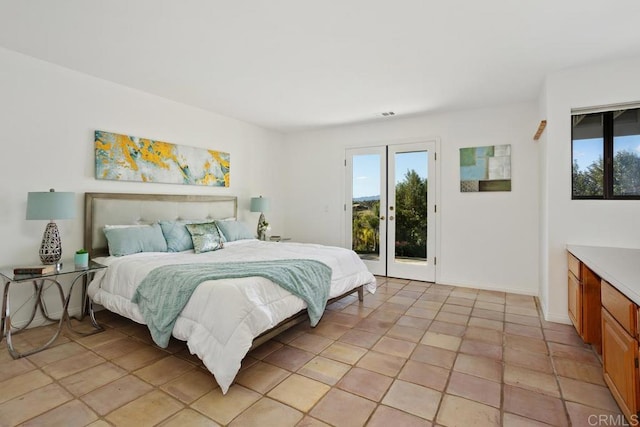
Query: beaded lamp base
[(51, 248), (262, 227)]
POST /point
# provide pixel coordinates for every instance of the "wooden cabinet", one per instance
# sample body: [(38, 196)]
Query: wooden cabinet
[(591, 317), (575, 292), (615, 305), (575, 302), (619, 363), (620, 348), (584, 302)]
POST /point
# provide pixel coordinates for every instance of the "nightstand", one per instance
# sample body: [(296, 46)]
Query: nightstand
[(38, 281)]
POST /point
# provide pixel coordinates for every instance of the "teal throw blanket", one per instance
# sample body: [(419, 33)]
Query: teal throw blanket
[(165, 291)]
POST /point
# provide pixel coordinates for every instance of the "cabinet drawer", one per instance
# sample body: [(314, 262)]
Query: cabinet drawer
[(620, 307), (574, 265)]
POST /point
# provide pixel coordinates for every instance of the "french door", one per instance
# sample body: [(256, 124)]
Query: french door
[(390, 208)]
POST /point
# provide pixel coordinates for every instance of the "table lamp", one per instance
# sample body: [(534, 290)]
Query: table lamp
[(260, 204), (51, 205)]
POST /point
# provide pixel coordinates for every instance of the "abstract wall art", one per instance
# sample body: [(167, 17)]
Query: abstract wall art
[(485, 168), (130, 158)]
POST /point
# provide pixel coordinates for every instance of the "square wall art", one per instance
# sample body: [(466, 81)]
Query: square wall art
[(130, 158), (485, 168)]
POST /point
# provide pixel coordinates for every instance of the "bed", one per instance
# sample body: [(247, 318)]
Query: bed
[(225, 317)]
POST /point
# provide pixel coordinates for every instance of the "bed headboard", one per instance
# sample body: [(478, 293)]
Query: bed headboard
[(126, 209)]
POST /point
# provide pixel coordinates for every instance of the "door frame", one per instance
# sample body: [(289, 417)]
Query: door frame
[(346, 190)]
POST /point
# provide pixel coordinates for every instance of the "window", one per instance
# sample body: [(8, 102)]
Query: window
[(606, 155)]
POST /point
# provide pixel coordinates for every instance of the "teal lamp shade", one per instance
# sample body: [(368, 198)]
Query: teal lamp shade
[(260, 204), (51, 205)]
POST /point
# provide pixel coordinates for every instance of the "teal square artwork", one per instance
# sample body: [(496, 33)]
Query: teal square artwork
[(486, 168)]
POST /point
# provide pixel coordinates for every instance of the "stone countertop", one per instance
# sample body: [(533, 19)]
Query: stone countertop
[(618, 266)]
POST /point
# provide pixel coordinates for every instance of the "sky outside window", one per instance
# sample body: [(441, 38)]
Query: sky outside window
[(587, 151), (366, 171)]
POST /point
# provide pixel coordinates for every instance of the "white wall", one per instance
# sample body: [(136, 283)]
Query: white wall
[(47, 118), (588, 222), (487, 240)]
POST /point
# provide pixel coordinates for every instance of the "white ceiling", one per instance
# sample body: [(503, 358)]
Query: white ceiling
[(298, 64)]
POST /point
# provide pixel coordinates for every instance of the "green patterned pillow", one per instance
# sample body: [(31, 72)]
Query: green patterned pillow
[(176, 233), (206, 237)]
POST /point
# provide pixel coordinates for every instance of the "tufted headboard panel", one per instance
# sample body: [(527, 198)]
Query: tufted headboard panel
[(101, 209)]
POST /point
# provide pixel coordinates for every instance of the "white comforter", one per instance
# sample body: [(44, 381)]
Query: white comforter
[(223, 316)]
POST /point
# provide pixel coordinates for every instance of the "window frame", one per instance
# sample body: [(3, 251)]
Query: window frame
[(607, 164)]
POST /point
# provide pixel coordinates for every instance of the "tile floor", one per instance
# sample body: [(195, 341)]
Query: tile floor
[(413, 354)]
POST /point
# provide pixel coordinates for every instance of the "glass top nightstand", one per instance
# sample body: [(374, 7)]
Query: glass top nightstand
[(66, 268)]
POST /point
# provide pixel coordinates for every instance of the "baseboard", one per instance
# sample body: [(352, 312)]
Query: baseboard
[(39, 319), (557, 318), (490, 288)]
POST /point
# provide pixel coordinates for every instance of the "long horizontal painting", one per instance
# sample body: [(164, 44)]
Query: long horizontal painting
[(485, 168), (130, 158)]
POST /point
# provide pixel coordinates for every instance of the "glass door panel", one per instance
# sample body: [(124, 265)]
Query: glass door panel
[(366, 227), (411, 207), (366, 206), (410, 225)]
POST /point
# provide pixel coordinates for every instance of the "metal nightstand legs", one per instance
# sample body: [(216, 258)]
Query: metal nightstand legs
[(5, 323), (6, 317), (85, 300)]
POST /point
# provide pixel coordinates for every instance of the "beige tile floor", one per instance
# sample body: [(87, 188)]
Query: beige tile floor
[(413, 354)]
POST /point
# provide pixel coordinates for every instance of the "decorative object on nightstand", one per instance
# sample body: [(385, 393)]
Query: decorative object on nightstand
[(279, 239), (81, 259), (49, 206), (34, 269), (260, 204)]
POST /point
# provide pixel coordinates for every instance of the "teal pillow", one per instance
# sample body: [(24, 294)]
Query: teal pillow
[(234, 230), (134, 239), (177, 236), (206, 237)]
